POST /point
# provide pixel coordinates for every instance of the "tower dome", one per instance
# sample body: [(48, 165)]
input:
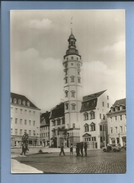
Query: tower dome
[(72, 46)]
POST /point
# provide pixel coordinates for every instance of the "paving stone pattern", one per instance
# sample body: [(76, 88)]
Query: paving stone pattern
[(97, 161)]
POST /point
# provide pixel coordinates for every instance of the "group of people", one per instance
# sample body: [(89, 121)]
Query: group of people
[(79, 149)]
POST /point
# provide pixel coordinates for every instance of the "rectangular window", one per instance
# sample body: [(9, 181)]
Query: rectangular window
[(25, 131), (115, 117), (63, 121), (33, 112), (20, 131), (107, 97), (11, 120), (93, 138), (78, 80), (111, 130), (73, 107), (16, 110), (58, 122), (16, 131), (33, 123), (30, 122), (25, 111), (72, 79), (25, 122), (101, 139), (34, 132), (100, 127), (21, 111), (120, 117), (121, 129), (30, 132), (107, 105), (29, 112), (20, 121), (102, 104), (16, 120), (100, 116)]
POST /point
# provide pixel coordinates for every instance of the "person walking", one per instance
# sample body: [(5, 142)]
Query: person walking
[(23, 149), (62, 150), (85, 148), (81, 148), (78, 149), (71, 149)]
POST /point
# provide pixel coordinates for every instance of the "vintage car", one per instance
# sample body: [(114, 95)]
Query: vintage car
[(112, 147)]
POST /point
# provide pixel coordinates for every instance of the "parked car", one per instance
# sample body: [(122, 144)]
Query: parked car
[(112, 147)]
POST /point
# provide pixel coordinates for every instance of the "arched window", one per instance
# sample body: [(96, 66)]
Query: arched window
[(28, 103), (19, 102), (73, 107), (72, 93), (24, 102), (86, 126), (85, 116), (15, 101), (66, 93), (93, 127), (72, 78), (92, 115)]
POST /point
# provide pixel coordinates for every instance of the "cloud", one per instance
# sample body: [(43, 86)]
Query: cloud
[(40, 78), (97, 76), (116, 47), (41, 24)]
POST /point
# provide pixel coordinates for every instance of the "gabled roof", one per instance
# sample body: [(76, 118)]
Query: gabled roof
[(120, 102), (57, 111), (90, 101), (22, 98), (93, 96)]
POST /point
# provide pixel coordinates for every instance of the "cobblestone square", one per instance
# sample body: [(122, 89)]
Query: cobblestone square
[(97, 161)]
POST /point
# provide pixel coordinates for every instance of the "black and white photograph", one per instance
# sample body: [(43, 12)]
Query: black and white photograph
[(68, 91)]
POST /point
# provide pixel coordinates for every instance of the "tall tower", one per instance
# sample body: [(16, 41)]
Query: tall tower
[(72, 89)]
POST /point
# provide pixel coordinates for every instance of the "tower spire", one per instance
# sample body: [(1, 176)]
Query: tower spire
[(71, 23)]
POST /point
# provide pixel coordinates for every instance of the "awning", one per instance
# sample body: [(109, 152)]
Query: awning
[(86, 135)]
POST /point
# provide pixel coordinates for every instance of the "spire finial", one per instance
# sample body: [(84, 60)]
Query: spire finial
[(71, 22)]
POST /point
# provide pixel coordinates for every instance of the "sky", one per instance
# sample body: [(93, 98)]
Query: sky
[(38, 42)]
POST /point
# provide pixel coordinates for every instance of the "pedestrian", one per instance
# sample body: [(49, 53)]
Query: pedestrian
[(108, 147), (78, 149), (85, 148), (71, 149), (81, 147), (62, 150), (23, 149)]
